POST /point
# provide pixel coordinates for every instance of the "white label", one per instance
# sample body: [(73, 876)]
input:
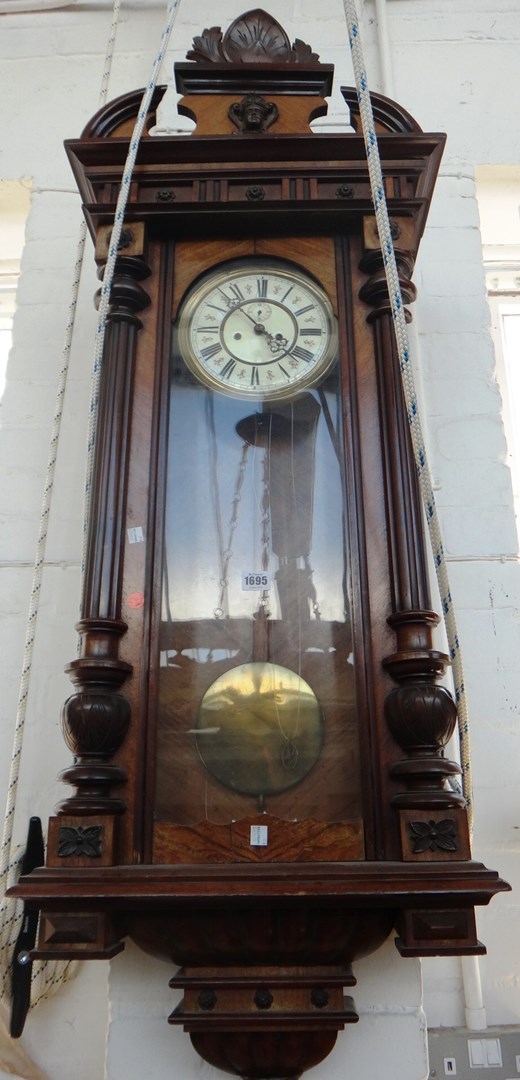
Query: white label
[(256, 579), (258, 835), (135, 535)]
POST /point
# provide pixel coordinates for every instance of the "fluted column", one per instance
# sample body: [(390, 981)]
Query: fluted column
[(420, 713), (96, 717)]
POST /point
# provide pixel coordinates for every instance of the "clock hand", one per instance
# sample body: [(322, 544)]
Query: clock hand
[(259, 327), (276, 342)]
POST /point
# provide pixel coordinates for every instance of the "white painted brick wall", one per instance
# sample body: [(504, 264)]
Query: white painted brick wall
[(455, 68)]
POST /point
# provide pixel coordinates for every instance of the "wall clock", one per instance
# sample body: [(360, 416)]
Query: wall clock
[(257, 721)]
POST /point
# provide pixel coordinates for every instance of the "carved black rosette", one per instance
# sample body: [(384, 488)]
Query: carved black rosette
[(433, 835), (80, 841)]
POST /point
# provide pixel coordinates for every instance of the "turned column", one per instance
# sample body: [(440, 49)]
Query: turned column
[(420, 713), (96, 717)]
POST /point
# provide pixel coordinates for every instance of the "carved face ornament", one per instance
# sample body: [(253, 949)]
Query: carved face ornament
[(253, 113)]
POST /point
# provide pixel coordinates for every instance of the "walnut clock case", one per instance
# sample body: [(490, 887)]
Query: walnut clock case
[(261, 792)]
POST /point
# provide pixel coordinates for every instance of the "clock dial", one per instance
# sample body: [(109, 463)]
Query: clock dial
[(259, 329)]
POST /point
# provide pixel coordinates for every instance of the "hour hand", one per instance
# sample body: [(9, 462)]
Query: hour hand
[(277, 342)]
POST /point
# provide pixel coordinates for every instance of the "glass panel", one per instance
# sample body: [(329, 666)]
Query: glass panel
[(256, 684)]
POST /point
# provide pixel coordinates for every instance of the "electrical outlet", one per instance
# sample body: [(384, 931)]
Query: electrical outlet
[(484, 1053), (492, 1054)]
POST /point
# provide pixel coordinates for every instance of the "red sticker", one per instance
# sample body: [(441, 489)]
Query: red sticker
[(135, 600)]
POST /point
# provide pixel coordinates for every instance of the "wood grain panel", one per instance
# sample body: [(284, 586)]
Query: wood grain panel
[(315, 254), (210, 113), (288, 841), (194, 257)]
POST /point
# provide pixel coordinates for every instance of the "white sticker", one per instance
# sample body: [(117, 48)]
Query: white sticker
[(135, 535), (256, 579), (258, 836)]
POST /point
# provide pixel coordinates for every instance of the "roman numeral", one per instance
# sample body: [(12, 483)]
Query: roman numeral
[(261, 284), (255, 380), (211, 330), (228, 369), (313, 330), (210, 350), (302, 354), (215, 308), (284, 297), (302, 310), (237, 293), (283, 371)]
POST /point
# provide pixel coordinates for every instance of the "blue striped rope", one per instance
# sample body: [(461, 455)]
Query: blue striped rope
[(399, 322)]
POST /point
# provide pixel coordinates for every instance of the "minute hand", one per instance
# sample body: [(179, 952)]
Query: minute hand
[(276, 342), (259, 327)]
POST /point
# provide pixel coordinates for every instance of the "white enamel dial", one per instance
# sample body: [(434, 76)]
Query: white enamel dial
[(258, 328)]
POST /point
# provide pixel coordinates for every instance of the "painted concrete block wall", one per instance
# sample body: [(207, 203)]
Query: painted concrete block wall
[(454, 63), (450, 69)]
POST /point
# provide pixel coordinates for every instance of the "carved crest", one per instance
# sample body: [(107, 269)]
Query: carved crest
[(253, 38)]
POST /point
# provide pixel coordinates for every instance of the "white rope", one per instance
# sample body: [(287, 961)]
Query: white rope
[(48, 976), (399, 320), (45, 977), (108, 275)]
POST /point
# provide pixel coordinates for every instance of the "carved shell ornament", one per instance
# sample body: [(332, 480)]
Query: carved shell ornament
[(254, 38)]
